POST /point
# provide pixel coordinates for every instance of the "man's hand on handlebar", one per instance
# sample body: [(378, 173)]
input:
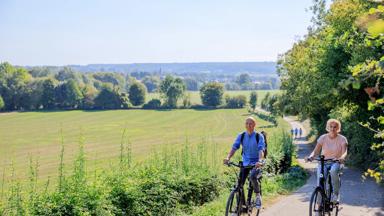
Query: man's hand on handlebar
[(260, 163), (226, 161)]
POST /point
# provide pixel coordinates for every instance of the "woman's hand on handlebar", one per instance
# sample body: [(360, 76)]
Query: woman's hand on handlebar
[(308, 159)]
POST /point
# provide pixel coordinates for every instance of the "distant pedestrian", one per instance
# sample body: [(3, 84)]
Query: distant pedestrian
[(296, 131), (300, 132), (292, 131)]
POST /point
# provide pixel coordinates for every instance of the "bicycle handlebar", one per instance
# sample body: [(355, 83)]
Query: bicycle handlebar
[(320, 159), (230, 163)]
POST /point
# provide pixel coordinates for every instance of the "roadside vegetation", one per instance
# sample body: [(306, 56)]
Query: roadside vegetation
[(337, 71)]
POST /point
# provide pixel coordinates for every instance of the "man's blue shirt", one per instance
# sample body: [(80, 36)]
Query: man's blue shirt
[(250, 147)]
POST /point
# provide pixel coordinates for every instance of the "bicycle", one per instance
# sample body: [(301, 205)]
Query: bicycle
[(236, 203), (321, 197)]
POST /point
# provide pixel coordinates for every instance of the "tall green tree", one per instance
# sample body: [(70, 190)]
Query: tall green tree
[(31, 98), (212, 94), (111, 98), (253, 100), (66, 74), (137, 93), (13, 82), (48, 94), (172, 89), (151, 82), (68, 95), (243, 79)]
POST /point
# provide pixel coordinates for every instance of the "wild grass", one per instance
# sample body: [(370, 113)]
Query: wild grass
[(174, 178)]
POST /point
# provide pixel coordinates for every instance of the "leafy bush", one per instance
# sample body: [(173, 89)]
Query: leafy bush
[(212, 94), (111, 98), (73, 200), (266, 117), (238, 101), (280, 154), (137, 92), (152, 104)]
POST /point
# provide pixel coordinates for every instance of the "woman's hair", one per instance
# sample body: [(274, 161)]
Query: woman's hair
[(333, 121)]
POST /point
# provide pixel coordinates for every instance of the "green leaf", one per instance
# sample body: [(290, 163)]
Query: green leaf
[(380, 119), (376, 28), (372, 10), (371, 106), (380, 101), (356, 85)]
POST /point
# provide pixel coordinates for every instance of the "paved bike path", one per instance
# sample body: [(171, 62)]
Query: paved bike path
[(358, 197)]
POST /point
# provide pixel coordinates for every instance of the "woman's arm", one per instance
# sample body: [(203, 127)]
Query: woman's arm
[(344, 155), (316, 151)]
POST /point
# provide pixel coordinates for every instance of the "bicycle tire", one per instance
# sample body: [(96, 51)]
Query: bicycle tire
[(329, 193), (337, 210), (317, 198), (234, 204), (254, 209)]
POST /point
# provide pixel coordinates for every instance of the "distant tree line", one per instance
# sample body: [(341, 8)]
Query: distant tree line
[(45, 88)]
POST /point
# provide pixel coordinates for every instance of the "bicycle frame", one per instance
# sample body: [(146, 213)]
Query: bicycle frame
[(327, 205), (243, 204)]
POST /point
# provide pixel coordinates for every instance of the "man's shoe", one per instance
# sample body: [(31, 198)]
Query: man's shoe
[(258, 202)]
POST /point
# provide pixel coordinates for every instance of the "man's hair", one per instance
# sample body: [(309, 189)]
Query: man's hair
[(333, 121), (251, 118)]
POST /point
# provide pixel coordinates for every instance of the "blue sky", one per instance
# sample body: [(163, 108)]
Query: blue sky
[(53, 32)]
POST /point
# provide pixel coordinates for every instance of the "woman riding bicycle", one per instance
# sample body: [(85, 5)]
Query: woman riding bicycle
[(253, 152), (333, 146)]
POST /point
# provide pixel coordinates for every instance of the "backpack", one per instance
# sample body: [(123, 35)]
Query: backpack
[(257, 141)]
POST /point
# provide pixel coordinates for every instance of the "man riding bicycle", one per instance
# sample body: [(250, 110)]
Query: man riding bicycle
[(253, 153), (333, 146)]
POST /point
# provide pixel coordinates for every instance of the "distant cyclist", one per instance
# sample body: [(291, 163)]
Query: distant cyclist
[(253, 152), (300, 132), (333, 146)]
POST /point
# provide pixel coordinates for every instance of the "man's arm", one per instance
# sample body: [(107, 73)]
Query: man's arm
[(261, 148), (235, 146), (229, 156)]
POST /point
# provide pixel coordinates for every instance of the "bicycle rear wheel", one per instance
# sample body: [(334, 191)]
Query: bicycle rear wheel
[(234, 204), (252, 210), (316, 205)]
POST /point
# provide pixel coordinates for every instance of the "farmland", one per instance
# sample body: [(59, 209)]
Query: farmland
[(37, 134)]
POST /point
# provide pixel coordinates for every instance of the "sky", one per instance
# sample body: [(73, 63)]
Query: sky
[(63, 32)]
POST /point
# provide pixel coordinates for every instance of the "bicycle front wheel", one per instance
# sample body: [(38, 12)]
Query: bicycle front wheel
[(316, 205), (234, 204)]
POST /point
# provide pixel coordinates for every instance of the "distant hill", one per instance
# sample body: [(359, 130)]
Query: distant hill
[(260, 68)]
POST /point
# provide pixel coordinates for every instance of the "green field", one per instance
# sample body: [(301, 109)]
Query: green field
[(195, 95), (37, 135)]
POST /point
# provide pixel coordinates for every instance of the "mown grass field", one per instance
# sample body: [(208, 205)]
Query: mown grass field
[(195, 95), (37, 135)]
